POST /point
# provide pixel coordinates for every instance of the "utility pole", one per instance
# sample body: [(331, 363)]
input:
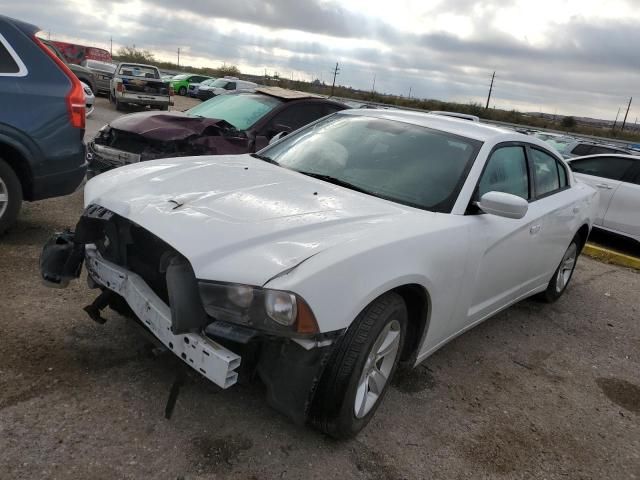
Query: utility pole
[(111, 46), (178, 57), (615, 122), (335, 74), (373, 88), (49, 35), (624, 122), (490, 90), (409, 93)]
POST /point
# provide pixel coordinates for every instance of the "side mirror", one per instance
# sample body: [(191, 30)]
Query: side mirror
[(503, 205), (277, 137)]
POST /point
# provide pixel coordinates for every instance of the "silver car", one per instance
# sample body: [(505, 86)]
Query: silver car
[(617, 177)]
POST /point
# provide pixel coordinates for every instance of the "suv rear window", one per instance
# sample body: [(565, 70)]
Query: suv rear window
[(7, 62)]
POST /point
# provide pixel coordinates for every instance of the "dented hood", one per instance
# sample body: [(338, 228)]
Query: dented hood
[(167, 126), (237, 218)]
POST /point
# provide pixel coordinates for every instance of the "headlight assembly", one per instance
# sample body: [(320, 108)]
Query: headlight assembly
[(275, 311)]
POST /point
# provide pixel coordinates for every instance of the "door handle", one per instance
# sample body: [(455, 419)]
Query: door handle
[(604, 186), (534, 229)]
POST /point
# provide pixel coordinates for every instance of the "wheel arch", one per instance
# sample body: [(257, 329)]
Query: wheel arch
[(418, 302), (17, 160), (583, 234)]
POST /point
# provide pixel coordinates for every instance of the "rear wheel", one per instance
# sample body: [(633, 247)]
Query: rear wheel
[(10, 196), (564, 272), (360, 369), (182, 91), (119, 105)]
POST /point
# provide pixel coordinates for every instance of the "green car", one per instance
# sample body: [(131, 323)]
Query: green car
[(180, 83)]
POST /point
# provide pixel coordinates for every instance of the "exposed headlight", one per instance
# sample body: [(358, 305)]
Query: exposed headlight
[(104, 128), (265, 309)]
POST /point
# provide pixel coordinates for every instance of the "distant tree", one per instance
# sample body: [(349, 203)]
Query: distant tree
[(568, 122), (133, 54), (228, 71)]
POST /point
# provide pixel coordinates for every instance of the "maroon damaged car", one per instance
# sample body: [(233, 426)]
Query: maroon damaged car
[(227, 124)]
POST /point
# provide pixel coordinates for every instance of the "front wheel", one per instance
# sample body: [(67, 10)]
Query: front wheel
[(182, 91), (564, 272), (360, 369)]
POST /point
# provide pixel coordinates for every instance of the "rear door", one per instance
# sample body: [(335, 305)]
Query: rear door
[(623, 213), (604, 173)]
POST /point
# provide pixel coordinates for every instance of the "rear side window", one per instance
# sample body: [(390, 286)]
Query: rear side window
[(582, 149), (597, 149), (10, 64), (296, 116), (613, 168), (506, 171), (547, 173)]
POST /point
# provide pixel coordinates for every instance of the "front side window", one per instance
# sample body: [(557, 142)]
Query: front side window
[(241, 111), (404, 163), (506, 171), (546, 173), (613, 168)]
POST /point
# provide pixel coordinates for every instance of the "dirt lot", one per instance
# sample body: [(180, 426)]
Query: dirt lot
[(537, 392)]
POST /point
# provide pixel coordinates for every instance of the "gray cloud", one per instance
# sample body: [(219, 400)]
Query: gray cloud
[(588, 68)]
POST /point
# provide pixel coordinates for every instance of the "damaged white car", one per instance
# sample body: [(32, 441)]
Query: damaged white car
[(368, 238)]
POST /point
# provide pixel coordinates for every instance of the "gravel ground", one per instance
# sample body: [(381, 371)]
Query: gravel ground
[(539, 391)]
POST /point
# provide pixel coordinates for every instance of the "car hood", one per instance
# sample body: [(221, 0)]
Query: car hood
[(167, 126), (237, 218)]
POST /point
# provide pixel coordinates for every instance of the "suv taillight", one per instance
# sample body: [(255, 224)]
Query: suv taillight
[(75, 98), (171, 92), (119, 87)]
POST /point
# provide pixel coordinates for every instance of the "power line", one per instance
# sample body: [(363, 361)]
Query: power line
[(336, 71), (178, 57), (490, 90)]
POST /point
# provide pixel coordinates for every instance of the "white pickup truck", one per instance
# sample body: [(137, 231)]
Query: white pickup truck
[(138, 84)]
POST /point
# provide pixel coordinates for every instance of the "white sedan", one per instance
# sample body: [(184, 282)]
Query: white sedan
[(618, 179), (368, 238)]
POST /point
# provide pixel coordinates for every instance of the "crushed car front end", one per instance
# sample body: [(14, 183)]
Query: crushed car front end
[(218, 329)]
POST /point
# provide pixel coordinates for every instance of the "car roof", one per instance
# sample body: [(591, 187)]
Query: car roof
[(607, 155), (134, 64), (457, 126), (286, 94), (27, 28)]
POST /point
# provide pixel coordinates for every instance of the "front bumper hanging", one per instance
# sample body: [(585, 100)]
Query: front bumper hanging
[(202, 354)]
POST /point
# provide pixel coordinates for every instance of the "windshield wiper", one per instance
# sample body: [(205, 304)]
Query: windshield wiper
[(337, 181), (264, 158)]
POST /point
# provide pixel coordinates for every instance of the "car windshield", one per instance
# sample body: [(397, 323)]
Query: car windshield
[(405, 163), (241, 111), (105, 67), (220, 83), (561, 145), (208, 81), (138, 71), (180, 77)]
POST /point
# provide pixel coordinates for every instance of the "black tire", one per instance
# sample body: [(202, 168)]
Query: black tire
[(559, 283), (334, 403), (119, 105), (11, 187), (164, 108), (182, 91)]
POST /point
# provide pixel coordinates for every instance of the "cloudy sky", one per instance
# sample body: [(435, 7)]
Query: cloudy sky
[(578, 57)]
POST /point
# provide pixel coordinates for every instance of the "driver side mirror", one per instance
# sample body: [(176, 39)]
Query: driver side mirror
[(503, 205)]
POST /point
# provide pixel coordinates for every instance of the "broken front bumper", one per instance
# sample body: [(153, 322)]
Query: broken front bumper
[(199, 352)]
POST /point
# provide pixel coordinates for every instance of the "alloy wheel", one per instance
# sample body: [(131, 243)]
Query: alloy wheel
[(377, 368)]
